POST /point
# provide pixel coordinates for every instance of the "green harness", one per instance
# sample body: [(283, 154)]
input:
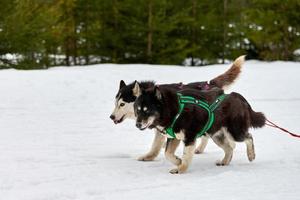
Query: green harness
[(183, 100)]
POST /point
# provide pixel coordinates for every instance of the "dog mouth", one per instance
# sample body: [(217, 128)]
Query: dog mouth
[(143, 128), (147, 126), (120, 120)]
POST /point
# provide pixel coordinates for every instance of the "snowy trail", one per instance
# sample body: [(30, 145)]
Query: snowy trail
[(58, 143)]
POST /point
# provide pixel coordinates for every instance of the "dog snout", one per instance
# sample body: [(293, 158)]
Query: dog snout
[(139, 125), (112, 117)]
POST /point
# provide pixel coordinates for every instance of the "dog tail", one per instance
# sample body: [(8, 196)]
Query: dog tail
[(258, 119), (226, 79)]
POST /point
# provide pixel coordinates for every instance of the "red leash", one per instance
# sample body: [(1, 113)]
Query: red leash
[(271, 124)]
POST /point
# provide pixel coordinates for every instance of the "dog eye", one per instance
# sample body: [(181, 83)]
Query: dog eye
[(122, 104)]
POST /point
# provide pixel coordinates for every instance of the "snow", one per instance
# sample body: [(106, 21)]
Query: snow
[(58, 143)]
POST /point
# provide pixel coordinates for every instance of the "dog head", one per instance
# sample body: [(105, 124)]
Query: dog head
[(147, 108), (124, 102)]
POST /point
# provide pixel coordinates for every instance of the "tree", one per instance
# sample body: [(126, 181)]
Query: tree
[(274, 28)]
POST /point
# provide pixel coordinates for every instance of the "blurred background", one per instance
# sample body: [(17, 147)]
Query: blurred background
[(37, 34)]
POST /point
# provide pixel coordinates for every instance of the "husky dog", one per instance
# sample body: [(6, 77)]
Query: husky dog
[(127, 95), (156, 108)]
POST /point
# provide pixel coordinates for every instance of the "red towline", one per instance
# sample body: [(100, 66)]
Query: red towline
[(271, 124)]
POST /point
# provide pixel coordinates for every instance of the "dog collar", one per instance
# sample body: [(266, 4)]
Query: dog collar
[(183, 100)]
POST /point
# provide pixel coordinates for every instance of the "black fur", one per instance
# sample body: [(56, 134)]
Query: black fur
[(234, 113), (125, 91), (225, 79)]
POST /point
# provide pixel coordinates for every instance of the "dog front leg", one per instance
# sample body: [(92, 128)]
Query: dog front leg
[(155, 148), (171, 147), (186, 160)]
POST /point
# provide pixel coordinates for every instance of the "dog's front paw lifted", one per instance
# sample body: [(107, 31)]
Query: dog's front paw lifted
[(146, 157)]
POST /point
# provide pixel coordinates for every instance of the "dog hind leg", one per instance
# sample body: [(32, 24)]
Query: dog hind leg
[(250, 147), (223, 140), (157, 144), (203, 144)]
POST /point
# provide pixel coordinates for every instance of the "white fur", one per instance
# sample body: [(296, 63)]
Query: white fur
[(126, 111), (239, 61), (202, 145), (155, 148), (227, 144), (250, 148), (180, 135), (136, 90), (149, 122)]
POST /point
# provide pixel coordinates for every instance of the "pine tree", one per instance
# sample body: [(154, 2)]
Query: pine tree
[(274, 28)]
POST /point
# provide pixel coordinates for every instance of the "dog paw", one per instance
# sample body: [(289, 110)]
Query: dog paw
[(179, 170), (174, 171), (251, 156), (146, 158), (198, 151), (221, 163)]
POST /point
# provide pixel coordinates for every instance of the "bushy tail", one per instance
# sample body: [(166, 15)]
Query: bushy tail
[(258, 119), (227, 78)]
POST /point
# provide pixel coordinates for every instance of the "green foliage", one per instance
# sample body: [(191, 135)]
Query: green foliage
[(274, 28), (37, 34)]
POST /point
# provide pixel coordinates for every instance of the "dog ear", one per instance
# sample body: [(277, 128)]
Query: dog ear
[(136, 89), (157, 93), (122, 84)]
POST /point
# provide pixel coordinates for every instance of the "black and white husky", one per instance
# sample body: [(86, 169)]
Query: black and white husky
[(157, 108), (127, 95)]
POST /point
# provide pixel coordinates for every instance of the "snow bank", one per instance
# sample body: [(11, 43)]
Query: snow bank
[(57, 141)]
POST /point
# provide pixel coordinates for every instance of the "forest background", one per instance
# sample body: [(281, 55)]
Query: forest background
[(37, 34)]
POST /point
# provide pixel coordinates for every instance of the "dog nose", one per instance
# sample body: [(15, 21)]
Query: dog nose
[(112, 117), (139, 125)]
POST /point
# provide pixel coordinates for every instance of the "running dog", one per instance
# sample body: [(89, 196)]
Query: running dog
[(126, 97), (157, 108)]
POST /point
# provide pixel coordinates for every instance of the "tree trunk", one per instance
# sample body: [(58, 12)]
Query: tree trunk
[(67, 49), (75, 55), (194, 33), (74, 38), (115, 14), (46, 58), (86, 30), (224, 29), (150, 32)]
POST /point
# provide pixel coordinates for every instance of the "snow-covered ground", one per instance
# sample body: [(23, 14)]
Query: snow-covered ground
[(58, 143)]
